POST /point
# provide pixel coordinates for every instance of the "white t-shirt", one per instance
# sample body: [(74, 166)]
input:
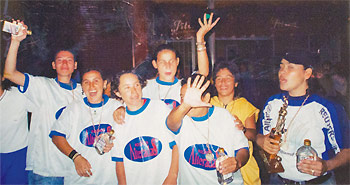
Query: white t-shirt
[(76, 125), (48, 96), (317, 121), (169, 92), (144, 144), (192, 138), (13, 120)]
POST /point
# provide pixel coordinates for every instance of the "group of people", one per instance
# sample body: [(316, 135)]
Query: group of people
[(164, 130)]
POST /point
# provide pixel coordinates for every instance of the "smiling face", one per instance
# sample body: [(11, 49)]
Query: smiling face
[(293, 78), (225, 83), (166, 64), (92, 84), (130, 91), (64, 63)]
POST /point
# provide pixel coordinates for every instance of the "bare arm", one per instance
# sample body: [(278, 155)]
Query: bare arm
[(250, 128), (174, 167), (176, 115), (206, 26), (82, 166), (10, 71), (120, 173)]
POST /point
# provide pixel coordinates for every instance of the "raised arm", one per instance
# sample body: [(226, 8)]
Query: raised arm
[(206, 26), (192, 99), (10, 71)]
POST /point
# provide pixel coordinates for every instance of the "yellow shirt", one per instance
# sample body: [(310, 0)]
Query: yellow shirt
[(243, 109)]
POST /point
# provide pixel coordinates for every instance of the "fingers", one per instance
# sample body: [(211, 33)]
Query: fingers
[(229, 165), (311, 167)]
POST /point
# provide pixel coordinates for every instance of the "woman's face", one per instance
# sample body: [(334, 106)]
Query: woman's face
[(225, 82), (130, 90), (166, 64)]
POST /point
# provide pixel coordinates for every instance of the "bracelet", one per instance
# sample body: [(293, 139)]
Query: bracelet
[(72, 153), (201, 49), (76, 156), (200, 43)]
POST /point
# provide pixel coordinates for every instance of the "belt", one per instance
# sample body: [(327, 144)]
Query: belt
[(318, 180)]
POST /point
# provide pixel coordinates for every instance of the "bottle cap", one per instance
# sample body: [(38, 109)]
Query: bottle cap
[(29, 32), (307, 142), (221, 150), (111, 132)]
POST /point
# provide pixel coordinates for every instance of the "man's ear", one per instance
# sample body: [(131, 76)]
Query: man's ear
[(53, 65), (105, 84), (75, 65), (177, 61), (308, 73), (117, 94), (154, 63)]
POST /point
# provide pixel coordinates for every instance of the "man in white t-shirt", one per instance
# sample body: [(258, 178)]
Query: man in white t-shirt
[(44, 161)]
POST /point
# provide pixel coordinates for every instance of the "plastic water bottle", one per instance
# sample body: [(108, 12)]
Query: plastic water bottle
[(306, 152), (222, 179), (102, 141)]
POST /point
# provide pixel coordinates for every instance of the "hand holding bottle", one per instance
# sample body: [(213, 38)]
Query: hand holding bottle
[(22, 31)]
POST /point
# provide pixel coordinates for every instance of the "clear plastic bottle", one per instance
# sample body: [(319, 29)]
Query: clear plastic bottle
[(306, 152), (222, 179), (102, 141)]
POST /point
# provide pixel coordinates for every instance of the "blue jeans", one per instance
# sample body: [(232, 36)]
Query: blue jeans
[(35, 179), (275, 179)]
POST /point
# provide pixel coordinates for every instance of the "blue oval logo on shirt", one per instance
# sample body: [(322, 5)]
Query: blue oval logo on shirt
[(88, 135), (171, 103), (195, 156), (143, 148)]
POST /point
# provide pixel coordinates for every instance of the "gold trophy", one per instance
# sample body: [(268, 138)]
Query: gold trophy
[(272, 162)]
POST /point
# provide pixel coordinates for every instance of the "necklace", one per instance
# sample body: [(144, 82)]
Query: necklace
[(99, 123), (284, 144), (209, 155), (166, 92)]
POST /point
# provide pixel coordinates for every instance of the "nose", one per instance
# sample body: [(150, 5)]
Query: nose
[(167, 65)]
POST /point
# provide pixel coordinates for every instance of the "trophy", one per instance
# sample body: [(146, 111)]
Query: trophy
[(272, 162)]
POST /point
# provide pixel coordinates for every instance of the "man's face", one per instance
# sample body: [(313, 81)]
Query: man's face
[(64, 63), (166, 64), (225, 82), (130, 90), (292, 78), (92, 84)]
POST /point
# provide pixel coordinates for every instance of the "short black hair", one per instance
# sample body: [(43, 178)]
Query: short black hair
[(164, 47), (92, 69), (116, 81), (64, 49), (193, 76)]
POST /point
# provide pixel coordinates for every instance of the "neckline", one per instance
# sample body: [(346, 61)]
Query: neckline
[(72, 85), (96, 105), (296, 100), (206, 116), (166, 83), (140, 110), (3, 94)]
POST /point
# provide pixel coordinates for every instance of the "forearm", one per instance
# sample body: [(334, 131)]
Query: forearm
[(176, 115), (242, 157), (174, 167), (259, 140), (250, 134), (340, 159), (10, 71), (120, 173), (202, 55), (62, 144)]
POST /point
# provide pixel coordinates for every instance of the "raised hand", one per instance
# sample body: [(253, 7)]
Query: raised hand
[(193, 96), (22, 32), (206, 26)]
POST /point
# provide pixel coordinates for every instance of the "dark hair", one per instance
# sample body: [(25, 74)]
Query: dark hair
[(193, 76), (69, 50), (116, 82), (164, 47), (233, 68), (92, 69)]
